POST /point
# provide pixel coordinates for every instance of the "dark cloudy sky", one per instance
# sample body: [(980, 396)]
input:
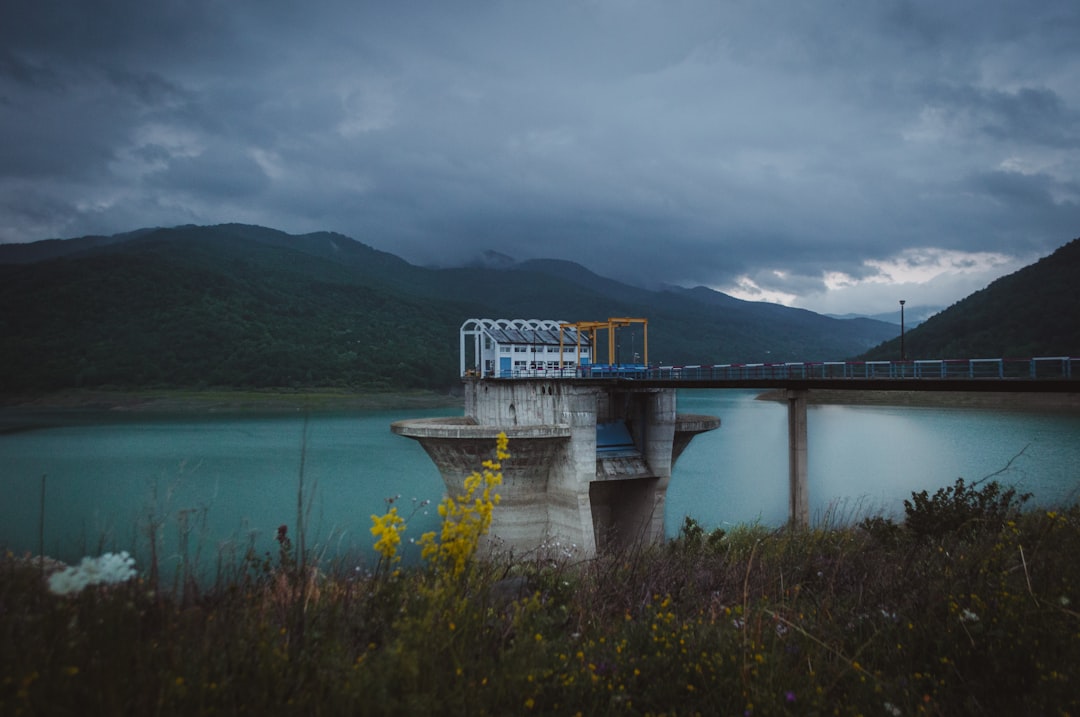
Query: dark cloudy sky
[(837, 155)]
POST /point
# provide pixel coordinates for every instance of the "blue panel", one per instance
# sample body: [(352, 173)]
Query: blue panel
[(614, 437)]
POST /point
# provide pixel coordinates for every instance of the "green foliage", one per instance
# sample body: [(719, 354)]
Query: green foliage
[(885, 531), (693, 537), (962, 508), (191, 314)]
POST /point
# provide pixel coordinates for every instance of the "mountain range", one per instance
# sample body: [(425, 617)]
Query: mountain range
[(247, 306)]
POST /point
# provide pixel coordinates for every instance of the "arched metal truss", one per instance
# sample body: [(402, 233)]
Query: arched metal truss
[(518, 332)]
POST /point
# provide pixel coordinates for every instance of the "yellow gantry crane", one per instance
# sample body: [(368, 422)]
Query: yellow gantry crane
[(589, 328)]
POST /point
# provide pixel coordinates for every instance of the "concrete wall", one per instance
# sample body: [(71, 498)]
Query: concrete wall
[(555, 488)]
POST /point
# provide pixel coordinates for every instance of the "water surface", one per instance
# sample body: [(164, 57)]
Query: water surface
[(221, 482)]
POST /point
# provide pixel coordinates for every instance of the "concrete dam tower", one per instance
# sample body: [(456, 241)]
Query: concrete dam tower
[(590, 457)]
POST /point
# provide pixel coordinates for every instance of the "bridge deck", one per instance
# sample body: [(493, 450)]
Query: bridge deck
[(1010, 385), (1046, 374)]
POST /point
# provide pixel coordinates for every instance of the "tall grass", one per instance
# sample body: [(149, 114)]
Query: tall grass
[(974, 616)]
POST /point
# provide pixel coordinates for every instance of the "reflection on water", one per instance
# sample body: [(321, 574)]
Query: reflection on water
[(863, 459), (231, 480)]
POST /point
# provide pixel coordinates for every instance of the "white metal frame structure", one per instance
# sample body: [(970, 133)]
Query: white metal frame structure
[(489, 335)]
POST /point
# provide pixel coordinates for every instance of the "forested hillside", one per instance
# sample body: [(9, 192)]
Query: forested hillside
[(1032, 312), (244, 306), (167, 315)]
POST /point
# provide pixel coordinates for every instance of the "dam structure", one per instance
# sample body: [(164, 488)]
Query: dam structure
[(590, 461)]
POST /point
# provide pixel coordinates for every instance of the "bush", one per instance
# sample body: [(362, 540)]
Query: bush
[(693, 537), (962, 508)]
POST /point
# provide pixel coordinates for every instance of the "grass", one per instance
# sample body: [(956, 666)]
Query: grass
[(966, 607)]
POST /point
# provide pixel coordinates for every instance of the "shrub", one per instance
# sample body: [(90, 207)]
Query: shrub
[(962, 508), (693, 537)]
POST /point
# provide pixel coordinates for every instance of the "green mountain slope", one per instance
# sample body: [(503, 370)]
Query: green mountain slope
[(237, 305), (192, 313), (1032, 312)]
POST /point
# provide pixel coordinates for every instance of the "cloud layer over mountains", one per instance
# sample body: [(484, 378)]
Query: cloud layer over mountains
[(836, 156)]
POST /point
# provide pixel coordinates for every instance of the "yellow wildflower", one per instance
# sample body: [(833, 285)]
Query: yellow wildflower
[(387, 528), (466, 517)]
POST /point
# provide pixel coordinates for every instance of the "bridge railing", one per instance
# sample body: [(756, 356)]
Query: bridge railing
[(1042, 367)]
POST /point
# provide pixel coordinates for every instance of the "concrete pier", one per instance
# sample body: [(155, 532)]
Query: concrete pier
[(798, 493), (589, 462)]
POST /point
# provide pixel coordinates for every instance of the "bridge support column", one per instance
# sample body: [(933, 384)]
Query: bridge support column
[(798, 496)]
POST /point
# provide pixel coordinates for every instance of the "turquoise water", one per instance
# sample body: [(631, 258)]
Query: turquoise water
[(219, 484), (230, 480), (863, 459)]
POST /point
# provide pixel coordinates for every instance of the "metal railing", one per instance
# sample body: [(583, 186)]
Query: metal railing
[(1042, 367)]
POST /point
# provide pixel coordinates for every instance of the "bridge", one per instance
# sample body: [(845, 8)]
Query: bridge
[(1055, 374), (592, 451), (1044, 373), (593, 445)]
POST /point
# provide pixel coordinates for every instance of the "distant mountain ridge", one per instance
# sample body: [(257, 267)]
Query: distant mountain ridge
[(241, 305), (913, 317)]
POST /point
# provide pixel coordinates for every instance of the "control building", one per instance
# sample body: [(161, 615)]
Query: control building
[(522, 348)]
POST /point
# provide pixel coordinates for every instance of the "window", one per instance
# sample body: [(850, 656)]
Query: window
[(504, 349)]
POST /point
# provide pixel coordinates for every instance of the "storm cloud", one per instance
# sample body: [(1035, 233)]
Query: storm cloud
[(835, 156)]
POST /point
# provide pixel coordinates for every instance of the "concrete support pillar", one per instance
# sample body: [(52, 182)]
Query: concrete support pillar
[(556, 484), (798, 496)]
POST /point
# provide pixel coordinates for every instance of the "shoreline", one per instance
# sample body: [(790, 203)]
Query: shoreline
[(280, 400), (1017, 401), (224, 401)]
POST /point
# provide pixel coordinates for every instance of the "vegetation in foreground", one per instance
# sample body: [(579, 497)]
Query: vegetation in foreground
[(967, 607)]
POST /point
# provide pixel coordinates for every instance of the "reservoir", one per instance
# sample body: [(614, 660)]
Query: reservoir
[(212, 486)]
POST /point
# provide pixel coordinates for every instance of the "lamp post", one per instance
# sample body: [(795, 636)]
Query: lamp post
[(903, 356)]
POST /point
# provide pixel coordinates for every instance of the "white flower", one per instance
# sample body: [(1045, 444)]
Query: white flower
[(110, 568), (892, 709), (968, 616)]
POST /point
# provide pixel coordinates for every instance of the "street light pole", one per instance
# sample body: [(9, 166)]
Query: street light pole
[(903, 355)]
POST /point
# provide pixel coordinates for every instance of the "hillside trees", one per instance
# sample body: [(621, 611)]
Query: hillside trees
[(1032, 312), (126, 320), (251, 307)]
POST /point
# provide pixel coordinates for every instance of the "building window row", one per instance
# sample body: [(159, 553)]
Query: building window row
[(550, 349)]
